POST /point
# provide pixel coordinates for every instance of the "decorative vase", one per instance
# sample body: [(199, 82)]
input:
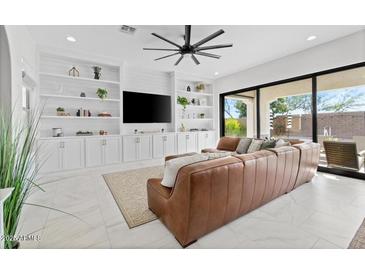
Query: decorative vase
[(82, 94), (97, 72), (183, 113)]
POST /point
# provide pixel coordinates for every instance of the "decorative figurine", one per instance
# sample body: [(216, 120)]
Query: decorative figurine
[(188, 88), (97, 72), (74, 72)]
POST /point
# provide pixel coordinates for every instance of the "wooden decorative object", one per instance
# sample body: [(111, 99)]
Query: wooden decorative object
[(74, 72)]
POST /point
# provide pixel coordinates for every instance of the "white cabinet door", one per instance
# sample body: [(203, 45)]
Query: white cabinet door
[(158, 146), (206, 139), (211, 140), (94, 152), (130, 148), (169, 145), (181, 143), (49, 157), (186, 142), (112, 151), (163, 145), (191, 142), (144, 147), (72, 153)]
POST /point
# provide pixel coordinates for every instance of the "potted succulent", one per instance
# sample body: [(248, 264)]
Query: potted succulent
[(200, 87), (60, 111), (102, 93)]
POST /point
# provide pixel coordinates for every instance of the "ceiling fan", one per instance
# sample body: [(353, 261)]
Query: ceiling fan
[(193, 49)]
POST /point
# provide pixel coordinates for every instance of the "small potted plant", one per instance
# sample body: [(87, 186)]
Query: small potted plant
[(200, 87), (183, 101), (102, 93), (60, 111)]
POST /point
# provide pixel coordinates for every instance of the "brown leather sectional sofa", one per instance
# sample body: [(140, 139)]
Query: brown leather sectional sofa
[(210, 194)]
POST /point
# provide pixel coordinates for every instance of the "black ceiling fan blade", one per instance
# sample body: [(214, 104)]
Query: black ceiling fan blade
[(178, 60), (187, 35), (163, 57), (214, 47), (161, 49), (210, 37), (208, 54), (166, 40), (195, 59)]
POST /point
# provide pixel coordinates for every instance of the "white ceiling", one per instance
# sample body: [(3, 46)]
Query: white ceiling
[(252, 45)]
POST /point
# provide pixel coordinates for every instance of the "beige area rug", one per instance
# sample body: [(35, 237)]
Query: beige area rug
[(130, 192), (359, 239)]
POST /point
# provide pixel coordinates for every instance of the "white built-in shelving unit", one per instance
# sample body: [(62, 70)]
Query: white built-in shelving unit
[(59, 89), (190, 118)]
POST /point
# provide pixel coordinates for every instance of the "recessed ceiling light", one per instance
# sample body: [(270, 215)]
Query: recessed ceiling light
[(312, 37), (216, 73), (71, 39)]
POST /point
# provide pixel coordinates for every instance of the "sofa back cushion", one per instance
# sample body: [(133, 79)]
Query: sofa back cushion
[(228, 143), (243, 145)]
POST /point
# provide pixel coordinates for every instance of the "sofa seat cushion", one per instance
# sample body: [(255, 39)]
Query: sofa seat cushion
[(255, 145), (172, 167), (243, 145), (155, 185), (228, 143)]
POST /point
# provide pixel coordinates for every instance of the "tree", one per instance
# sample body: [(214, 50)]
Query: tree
[(279, 106), (242, 108)]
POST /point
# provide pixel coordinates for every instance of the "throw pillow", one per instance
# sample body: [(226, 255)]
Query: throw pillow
[(281, 143), (172, 167), (243, 145), (268, 144), (255, 145)]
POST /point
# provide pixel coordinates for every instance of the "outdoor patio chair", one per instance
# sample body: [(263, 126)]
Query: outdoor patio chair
[(343, 154)]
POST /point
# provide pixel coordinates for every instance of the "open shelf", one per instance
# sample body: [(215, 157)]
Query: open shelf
[(61, 76), (78, 117), (78, 98), (194, 93), (197, 119)]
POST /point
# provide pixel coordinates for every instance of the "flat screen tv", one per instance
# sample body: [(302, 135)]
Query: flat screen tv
[(146, 108)]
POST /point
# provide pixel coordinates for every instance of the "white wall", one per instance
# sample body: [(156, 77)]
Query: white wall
[(5, 73), (337, 53), (23, 57)]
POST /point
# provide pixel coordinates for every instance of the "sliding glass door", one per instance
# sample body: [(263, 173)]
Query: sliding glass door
[(286, 111), (341, 119), (239, 114)]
